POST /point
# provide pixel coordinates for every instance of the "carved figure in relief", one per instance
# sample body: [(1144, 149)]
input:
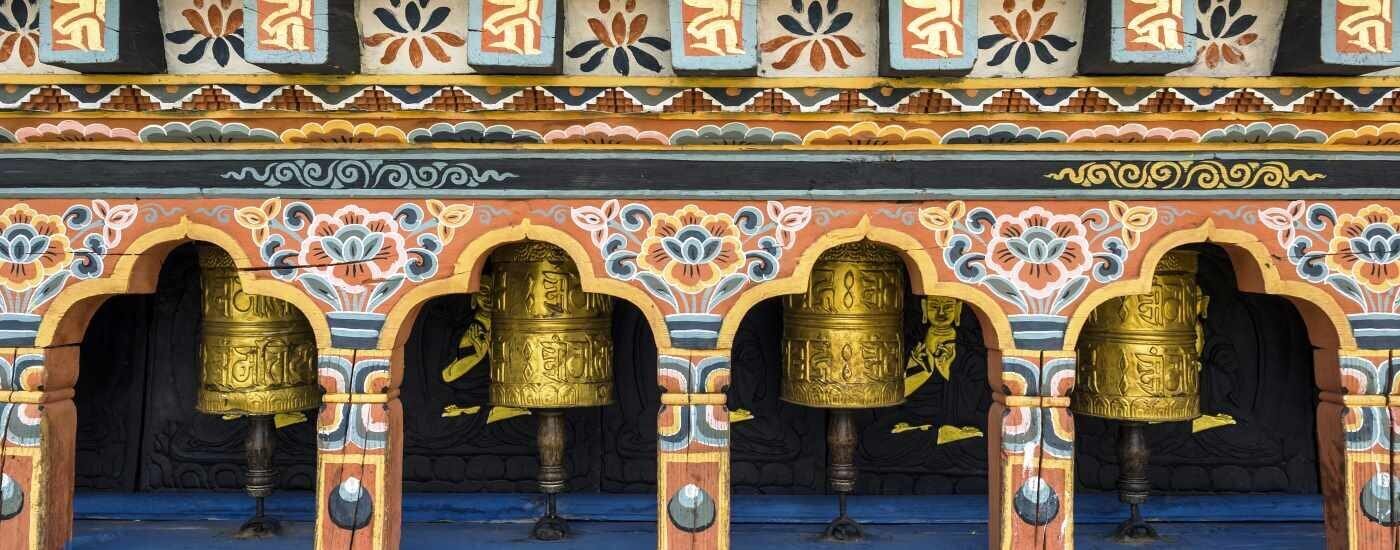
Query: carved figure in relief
[(1369, 25), (286, 26), (81, 26), (717, 29), (516, 22), (1158, 25), (938, 28)]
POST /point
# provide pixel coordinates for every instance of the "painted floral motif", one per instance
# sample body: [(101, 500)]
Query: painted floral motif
[(216, 27), (1038, 260), (19, 32), (472, 132), (1357, 254), (416, 29), (40, 253), (1385, 134), (206, 131), (870, 133), (1023, 33), (1004, 132), (691, 259), (600, 133), (691, 249), (343, 131), (353, 259), (815, 29), (1263, 132), (33, 246), (1134, 133), (1224, 32), (733, 133), (620, 34), (72, 130)]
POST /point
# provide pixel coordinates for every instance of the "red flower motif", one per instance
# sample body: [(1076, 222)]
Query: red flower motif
[(354, 248), (1040, 250)]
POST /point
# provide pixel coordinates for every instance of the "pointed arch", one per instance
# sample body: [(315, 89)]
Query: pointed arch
[(137, 270), (923, 279), (466, 278), (1255, 271)]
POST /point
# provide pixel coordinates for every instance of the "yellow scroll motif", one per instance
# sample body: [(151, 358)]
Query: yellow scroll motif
[(516, 22), (286, 26), (1184, 174), (938, 28), (81, 26), (717, 29), (1369, 26), (1158, 25)]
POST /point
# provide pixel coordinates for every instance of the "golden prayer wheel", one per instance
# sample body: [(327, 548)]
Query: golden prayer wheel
[(258, 353), (1140, 356), (843, 350), (843, 338), (551, 342), (1140, 363), (258, 359), (551, 349)]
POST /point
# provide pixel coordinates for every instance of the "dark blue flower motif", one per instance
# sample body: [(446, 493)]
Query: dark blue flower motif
[(821, 32), (623, 41), (218, 28), (418, 33), (19, 33), (1030, 33)]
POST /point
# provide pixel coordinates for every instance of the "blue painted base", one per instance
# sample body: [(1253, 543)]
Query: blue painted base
[(1090, 508), (214, 535)]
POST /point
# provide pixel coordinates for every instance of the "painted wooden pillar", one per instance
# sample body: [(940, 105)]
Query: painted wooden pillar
[(1030, 450), (692, 460), (714, 36), (1356, 428), (359, 460), (38, 429)]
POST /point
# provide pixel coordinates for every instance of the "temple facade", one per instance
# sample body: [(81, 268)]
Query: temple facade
[(692, 163)]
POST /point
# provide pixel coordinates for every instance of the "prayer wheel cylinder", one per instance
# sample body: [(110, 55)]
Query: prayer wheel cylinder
[(551, 342), (258, 354), (843, 338), (1140, 356)]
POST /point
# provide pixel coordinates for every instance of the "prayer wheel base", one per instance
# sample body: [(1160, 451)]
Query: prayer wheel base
[(551, 526), (259, 527), (844, 528)]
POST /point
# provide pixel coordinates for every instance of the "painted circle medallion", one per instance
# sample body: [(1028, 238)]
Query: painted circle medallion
[(691, 509)]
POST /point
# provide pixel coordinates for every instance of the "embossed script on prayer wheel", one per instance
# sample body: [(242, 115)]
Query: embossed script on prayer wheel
[(1140, 356), (258, 354), (551, 342), (842, 339)]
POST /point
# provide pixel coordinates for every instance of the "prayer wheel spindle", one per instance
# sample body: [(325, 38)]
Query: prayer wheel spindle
[(258, 359), (842, 351), (551, 349), (1140, 363)]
